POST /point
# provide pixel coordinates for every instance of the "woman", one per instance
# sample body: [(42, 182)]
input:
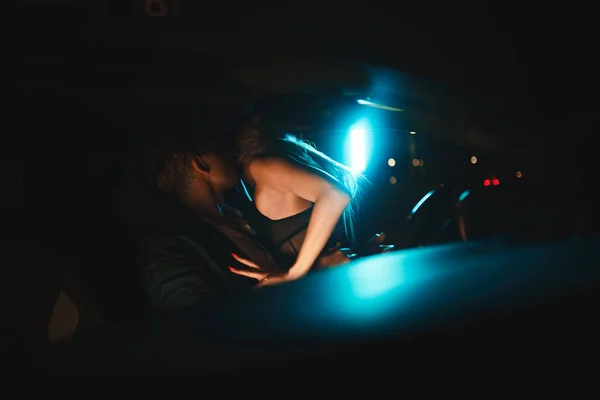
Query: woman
[(297, 197)]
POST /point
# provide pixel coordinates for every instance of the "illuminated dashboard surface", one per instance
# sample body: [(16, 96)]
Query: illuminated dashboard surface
[(376, 298)]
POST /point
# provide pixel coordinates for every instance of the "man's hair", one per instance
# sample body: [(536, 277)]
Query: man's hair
[(170, 167), (178, 137)]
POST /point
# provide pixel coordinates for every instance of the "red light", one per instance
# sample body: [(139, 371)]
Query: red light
[(486, 182), (495, 182)]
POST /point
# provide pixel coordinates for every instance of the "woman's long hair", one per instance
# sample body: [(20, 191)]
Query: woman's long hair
[(305, 154)]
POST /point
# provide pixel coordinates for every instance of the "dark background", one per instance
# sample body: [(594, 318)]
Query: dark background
[(527, 67), (527, 71)]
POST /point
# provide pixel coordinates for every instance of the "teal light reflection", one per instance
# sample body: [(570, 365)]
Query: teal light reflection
[(464, 195), (368, 291), (377, 280), (380, 106), (423, 200)]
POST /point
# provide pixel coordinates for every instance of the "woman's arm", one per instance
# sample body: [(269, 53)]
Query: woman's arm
[(329, 204)]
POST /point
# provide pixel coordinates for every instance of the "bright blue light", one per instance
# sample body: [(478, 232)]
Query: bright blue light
[(368, 283), (358, 156), (423, 200), (464, 195), (375, 105)]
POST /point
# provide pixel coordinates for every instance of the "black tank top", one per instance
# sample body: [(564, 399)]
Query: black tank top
[(283, 237)]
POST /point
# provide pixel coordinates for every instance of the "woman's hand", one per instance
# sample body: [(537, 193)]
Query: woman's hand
[(333, 257), (255, 272)]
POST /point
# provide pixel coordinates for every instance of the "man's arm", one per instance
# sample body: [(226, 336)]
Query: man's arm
[(175, 273)]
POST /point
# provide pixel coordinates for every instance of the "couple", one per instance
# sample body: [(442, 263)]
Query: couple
[(297, 200)]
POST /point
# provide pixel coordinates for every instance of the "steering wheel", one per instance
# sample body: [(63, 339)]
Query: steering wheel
[(428, 216), (453, 214)]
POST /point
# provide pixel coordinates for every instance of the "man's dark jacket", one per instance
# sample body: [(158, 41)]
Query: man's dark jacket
[(184, 259)]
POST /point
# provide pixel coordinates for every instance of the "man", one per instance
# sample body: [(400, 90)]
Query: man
[(190, 237)]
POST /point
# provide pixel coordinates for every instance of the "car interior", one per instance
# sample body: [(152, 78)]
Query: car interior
[(496, 241)]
